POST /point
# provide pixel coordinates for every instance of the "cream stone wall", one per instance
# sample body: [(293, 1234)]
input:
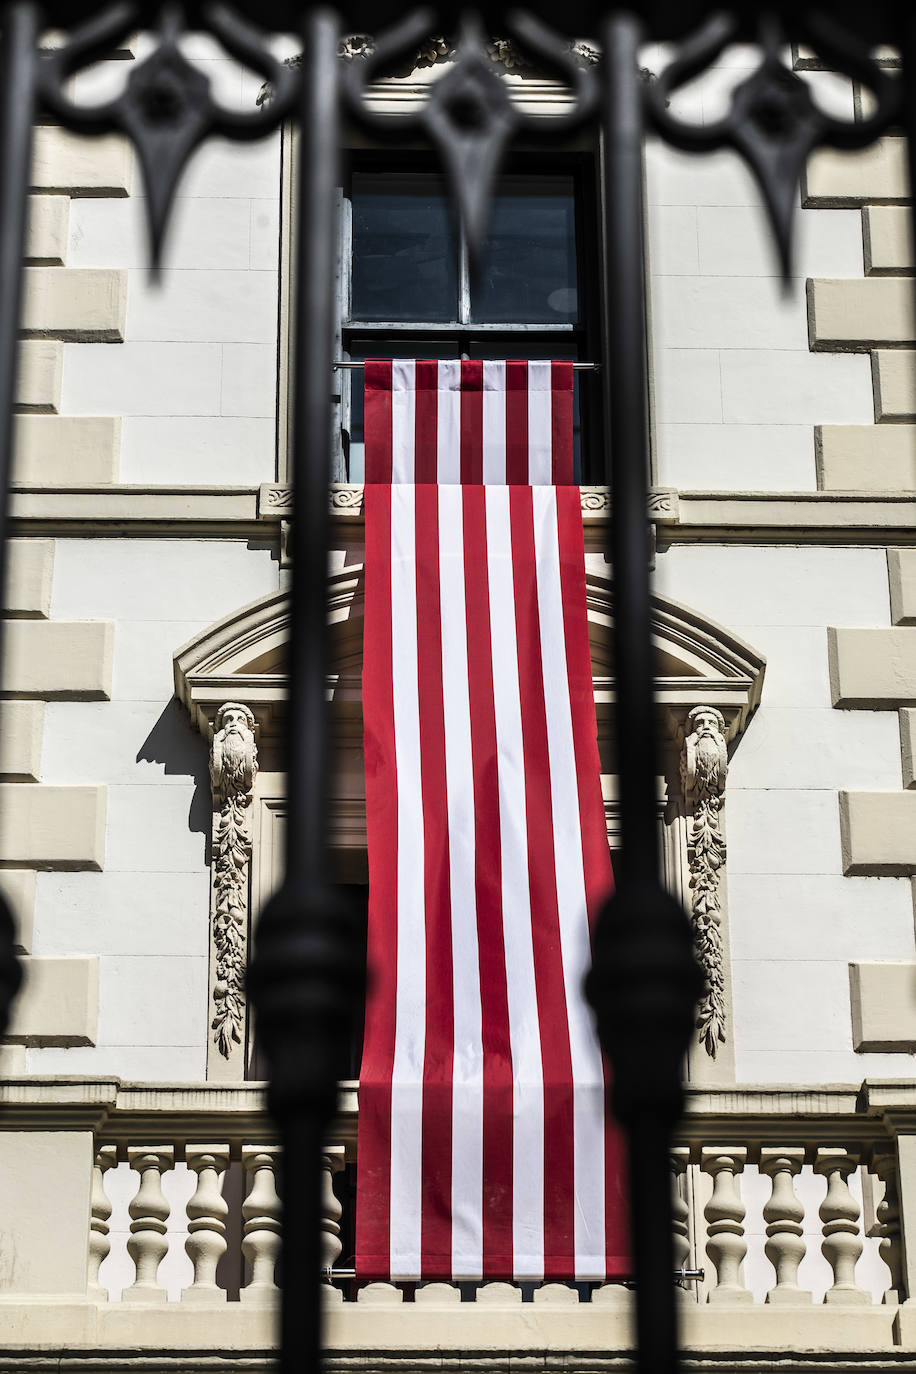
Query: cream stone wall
[(758, 391), (783, 513), (753, 392), (195, 381), (737, 390)]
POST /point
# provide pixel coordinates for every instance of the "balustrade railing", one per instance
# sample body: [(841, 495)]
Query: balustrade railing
[(780, 1197)]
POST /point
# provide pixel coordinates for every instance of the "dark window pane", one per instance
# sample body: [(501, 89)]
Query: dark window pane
[(405, 250), (529, 272)]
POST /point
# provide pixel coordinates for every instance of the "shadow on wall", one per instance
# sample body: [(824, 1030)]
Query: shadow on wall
[(179, 749)]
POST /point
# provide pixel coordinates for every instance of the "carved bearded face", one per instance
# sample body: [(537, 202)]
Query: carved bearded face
[(236, 739), (234, 758), (235, 723), (707, 721)]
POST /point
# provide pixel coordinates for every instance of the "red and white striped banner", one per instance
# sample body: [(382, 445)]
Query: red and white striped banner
[(483, 1145), (471, 422)]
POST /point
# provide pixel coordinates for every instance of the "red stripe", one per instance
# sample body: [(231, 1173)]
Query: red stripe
[(436, 1206), (471, 422), (517, 423), (377, 381), (497, 1052), (561, 423), (559, 1174), (599, 880), (373, 1196), (426, 462), (596, 856)]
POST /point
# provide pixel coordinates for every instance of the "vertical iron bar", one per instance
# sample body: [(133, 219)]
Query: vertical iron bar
[(307, 746), (644, 980), (306, 856), (305, 978), (18, 70), (637, 769), (629, 450)]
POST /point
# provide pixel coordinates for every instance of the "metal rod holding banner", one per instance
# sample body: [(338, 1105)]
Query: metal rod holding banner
[(353, 366), (18, 68)]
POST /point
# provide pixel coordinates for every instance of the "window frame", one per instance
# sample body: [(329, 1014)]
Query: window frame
[(585, 336), (576, 156)]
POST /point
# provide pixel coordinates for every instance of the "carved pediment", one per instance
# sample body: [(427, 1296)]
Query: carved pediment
[(241, 658)]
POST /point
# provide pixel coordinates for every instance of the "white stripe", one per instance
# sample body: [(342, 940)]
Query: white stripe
[(467, 1085), (403, 419), (493, 402), (410, 1018), (588, 1077), (524, 1032), (540, 426), (448, 423)]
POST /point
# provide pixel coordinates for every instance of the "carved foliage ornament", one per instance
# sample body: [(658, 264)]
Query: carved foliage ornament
[(704, 764), (233, 769)]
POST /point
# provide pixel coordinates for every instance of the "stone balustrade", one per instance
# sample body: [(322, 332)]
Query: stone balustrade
[(169, 1197)]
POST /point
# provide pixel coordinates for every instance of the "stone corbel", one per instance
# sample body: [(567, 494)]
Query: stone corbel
[(704, 765), (233, 769)]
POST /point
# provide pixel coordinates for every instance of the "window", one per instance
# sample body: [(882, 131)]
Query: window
[(408, 289)]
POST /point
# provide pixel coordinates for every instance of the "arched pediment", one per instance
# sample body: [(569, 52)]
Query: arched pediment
[(241, 657)]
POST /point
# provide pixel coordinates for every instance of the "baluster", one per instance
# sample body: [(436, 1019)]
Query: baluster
[(207, 1212), (379, 1295), (556, 1295), (261, 1232), (499, 1294), (890, 1246), (99, 1244), (438, 1294), (332, 1161), (784, 1213), (149, 1212), (724, 1214), (680, 1213), (842, 1244)]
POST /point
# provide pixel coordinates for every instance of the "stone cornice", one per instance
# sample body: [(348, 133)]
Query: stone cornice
[(124, 1111), (115, 510)]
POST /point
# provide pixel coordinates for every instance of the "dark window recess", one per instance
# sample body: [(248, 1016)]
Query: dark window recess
[(258, 1067)]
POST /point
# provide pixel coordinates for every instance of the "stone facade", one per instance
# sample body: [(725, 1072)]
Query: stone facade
[(141, 783)]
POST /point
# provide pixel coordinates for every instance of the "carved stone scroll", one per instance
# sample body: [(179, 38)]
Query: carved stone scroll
[(704, 764), (233, 769), (275, 502)]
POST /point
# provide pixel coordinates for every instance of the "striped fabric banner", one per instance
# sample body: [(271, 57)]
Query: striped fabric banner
[(469, 422), (484, 1151)]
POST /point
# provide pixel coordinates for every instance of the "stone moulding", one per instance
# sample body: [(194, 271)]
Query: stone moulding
[(704, 766), (275, 502), (233, 769)]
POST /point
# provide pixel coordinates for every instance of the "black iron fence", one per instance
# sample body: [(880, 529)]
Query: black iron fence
[(305, 979)]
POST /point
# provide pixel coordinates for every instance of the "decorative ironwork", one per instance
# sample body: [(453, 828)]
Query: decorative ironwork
[(166, 108), (774, 122), (308, 970)]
